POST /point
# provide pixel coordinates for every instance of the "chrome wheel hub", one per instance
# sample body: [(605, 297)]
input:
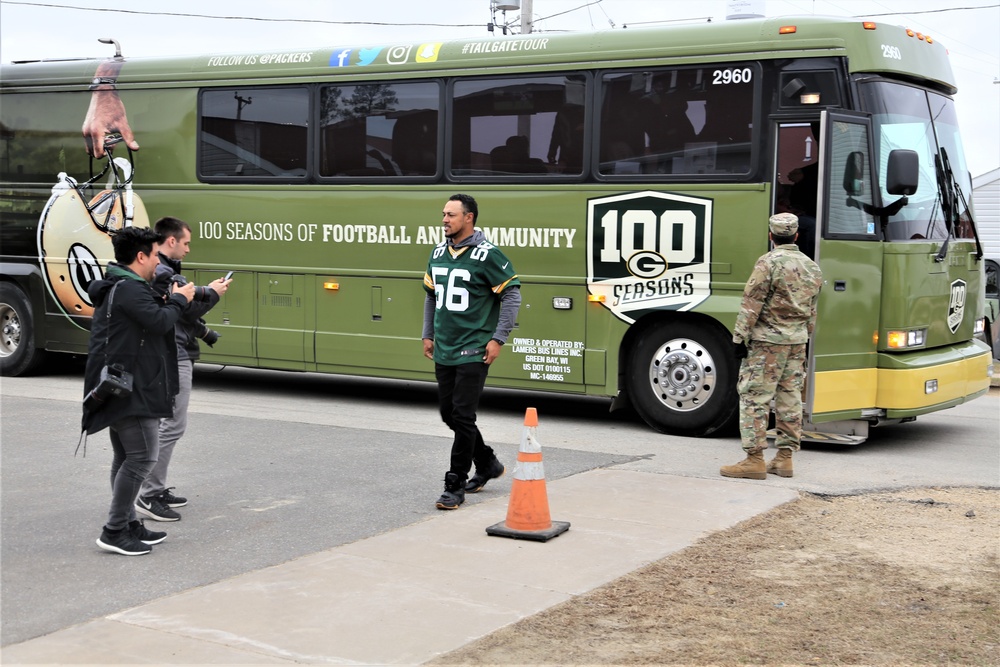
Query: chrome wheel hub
[(682, 375), (10, 330)]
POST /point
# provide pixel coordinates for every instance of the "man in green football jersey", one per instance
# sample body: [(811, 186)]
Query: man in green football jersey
[(473, 296)]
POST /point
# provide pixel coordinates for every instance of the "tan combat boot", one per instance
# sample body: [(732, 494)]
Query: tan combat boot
[(752, 467), (781, 464)]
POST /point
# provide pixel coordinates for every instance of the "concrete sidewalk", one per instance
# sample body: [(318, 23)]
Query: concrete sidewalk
[(410, 595)]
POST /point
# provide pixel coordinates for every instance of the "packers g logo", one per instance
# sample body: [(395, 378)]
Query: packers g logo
[(956, 305), (74, 242), (646, 264), (648, 251)]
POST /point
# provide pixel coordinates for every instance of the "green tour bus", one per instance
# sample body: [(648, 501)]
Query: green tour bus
[(627, 174)]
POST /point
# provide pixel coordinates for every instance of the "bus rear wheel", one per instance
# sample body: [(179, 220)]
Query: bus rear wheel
[(682, 378), (18, 354)]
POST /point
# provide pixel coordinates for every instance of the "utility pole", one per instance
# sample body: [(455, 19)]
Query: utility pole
[(524, 122)]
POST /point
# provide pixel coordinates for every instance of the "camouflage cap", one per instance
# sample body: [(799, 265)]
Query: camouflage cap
[(783, 224)]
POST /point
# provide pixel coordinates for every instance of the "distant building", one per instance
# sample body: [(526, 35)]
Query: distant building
[(986, 203)]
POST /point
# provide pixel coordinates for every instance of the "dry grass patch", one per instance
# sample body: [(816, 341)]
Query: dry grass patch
[(902, 578)]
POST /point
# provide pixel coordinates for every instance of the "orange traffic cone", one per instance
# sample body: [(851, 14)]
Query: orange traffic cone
[(528, 512)]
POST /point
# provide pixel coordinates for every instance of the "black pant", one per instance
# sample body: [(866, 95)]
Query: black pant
[(459, 389), (135, 444)]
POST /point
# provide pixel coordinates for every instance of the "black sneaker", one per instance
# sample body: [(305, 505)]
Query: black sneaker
[(170, 500), (122, 542), (154, 508), (478, 481), (143, 534), (454, 492)]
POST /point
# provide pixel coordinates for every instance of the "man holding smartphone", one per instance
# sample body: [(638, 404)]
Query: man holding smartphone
[(133, 329), (156, 500)]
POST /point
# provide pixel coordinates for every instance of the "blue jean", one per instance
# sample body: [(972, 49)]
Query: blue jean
[(135, 442), (459, 389), (171, 430)]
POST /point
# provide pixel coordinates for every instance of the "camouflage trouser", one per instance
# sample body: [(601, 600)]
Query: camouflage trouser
[(778, 372)]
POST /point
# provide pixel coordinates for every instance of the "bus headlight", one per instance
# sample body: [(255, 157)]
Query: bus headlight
[(901, 340), (980, 326)]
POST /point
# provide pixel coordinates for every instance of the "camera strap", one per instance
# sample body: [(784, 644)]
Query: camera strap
[(107, 333), (107, 342)]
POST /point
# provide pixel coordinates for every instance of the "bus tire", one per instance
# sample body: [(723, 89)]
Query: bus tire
[(18, 354), (681, 378)]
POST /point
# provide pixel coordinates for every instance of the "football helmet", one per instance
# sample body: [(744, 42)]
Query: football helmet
[(74, 231)]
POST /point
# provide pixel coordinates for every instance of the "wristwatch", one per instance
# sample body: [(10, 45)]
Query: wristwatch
[(102, 81)]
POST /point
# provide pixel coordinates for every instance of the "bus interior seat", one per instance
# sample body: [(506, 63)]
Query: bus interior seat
[(727, 124), (513, 157), (414, 144)]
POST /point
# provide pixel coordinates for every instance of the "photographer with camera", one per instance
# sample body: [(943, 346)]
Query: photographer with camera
[(131, 377), (156, 499)]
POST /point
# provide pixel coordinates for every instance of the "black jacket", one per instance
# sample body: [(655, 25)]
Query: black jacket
[(190, 327), (139, 335)]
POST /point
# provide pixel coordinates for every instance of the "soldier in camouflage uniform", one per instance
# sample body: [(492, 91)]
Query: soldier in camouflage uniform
[(776, 319)]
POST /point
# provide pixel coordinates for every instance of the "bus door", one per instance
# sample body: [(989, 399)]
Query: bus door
[(843, 354)]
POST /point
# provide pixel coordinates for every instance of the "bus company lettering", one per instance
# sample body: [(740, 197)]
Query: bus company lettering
[(536, 237), (227, 61), (532, 237), (260, 59), (505, 46), (682, 285), (255, 231), (373, 234), (282, 58), (649, 251), (545, 359), (310, 232)]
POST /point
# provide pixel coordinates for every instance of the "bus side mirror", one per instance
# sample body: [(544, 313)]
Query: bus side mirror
[(903, 173), (854, 174)]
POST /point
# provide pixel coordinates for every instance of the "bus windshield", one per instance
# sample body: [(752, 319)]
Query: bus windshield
[(913, 118)]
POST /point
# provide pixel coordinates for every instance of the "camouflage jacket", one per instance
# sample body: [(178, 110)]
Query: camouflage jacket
[(779, 301)]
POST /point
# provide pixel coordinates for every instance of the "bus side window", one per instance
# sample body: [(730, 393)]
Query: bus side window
[(254, 133), (379, 130), (687, 121), (508, 126)]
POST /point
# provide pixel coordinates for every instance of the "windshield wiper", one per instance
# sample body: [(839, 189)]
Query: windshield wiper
[(946, 193), (951, 194)]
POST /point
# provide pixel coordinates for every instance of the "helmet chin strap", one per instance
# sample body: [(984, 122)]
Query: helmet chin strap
[(125, 166)]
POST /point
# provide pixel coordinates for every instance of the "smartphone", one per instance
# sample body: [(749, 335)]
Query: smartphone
[(229, 276)]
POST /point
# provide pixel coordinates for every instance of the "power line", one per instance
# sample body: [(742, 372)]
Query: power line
[(929, 11), (237, 18)]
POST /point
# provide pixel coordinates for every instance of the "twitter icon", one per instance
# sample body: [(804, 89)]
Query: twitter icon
[(367, 56)]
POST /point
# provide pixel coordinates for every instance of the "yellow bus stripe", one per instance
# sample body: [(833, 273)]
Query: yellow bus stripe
[(898, 389)]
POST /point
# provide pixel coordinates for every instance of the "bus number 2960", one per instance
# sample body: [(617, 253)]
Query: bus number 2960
[(721, 77)]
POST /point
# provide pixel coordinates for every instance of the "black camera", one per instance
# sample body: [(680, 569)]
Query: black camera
[(115, 381)]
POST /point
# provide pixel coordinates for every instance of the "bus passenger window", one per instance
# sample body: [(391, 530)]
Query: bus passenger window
[(677, 121), (379, 129), (254, 133), (518, 126)]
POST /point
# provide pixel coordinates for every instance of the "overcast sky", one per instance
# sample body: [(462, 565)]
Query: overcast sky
[(32, 29)]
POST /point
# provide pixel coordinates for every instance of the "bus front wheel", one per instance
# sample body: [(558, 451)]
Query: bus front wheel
[(682, 378), (18, 354)]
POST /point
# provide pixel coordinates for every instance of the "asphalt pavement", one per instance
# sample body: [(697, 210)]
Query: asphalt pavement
[(311, 535)]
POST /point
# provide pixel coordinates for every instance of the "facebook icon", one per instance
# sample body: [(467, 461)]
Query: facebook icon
[(340, 58)]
